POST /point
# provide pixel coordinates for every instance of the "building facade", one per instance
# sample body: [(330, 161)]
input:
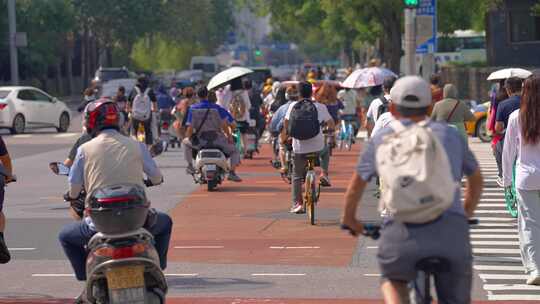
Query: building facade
[(513, 34)]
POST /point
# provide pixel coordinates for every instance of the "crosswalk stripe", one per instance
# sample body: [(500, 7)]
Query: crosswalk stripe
[(500, 267), (495, 243), (494, 236), (513, 297), (494, 205), (510, 251), (496, 225), (498, 259), (489, 230), (485, 276), (495, 219), (496, 287), (490, 211)]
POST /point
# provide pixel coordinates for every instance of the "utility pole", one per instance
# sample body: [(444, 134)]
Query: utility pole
[(12, 42), (410, 40)]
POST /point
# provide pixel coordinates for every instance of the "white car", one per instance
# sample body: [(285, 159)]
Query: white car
[(29, 107)]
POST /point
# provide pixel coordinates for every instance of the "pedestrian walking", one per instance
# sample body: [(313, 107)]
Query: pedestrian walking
[(452, 110), (522, 148), (436, 90), (513, 88), (498, 95)]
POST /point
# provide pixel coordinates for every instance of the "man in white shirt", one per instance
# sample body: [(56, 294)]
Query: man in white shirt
[(296, 123), (374, 108)]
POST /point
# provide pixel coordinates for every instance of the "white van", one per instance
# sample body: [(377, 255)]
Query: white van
[(207, 64)]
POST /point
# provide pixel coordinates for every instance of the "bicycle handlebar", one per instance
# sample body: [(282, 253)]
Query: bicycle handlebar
[(373, 230)]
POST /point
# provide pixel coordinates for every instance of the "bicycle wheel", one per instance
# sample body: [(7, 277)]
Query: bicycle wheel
[(310, 196)]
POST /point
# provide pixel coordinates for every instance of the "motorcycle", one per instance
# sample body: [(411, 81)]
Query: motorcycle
[(122, 264), (211, 165), (251, 143)]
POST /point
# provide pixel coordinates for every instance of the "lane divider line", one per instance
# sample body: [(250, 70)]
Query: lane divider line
[(277, 274), (181, 274), (47, 275), (199, 247), (294, 247), (21, 249), (372, 274)]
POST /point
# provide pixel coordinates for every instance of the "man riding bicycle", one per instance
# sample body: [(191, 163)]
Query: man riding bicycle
[(209, 123), (303, 122), (109, 159), (403, 244)]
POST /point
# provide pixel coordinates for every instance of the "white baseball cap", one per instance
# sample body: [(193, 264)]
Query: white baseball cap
[(411, 92)]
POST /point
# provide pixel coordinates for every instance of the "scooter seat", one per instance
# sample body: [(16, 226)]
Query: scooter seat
[(433, 265)]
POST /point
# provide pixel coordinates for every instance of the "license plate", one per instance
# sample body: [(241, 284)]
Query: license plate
[(127, 296), (125, 277), (211, 167)]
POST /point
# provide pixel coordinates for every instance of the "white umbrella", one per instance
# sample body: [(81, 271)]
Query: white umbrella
[(227, 75), (507, 73), (368, 77)]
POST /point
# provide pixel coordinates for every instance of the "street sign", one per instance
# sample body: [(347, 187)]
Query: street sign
[(21, 40), (426, 27)]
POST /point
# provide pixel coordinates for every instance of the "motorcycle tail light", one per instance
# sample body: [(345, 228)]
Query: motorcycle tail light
[(165, 125), (3, 106), (120, 252)]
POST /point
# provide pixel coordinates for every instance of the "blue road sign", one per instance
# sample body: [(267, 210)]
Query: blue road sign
[(426, 18)]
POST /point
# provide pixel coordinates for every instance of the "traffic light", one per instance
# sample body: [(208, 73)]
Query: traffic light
[(411, 3)]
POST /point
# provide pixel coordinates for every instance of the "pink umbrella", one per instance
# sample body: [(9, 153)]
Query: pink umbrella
[(368, 77)]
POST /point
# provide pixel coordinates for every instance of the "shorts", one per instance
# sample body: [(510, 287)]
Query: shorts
[(243, 126), (401, 246)]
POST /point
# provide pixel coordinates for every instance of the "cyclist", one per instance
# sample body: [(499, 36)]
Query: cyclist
[(276, 125), (6, 166), (303, 122), (351, 107), (204, 119), (402, 245), (142, 102), (380, 105), (110, 158)]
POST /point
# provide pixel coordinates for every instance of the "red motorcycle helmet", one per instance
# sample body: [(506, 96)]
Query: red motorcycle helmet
[(101, 114)]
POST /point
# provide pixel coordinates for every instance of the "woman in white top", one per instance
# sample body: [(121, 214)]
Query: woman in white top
[(522, 146)]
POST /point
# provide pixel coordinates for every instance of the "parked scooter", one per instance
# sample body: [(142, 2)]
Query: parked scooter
[(122, 264)]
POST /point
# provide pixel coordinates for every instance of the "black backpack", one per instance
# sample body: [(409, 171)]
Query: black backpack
[(382, 108), (304, 120)]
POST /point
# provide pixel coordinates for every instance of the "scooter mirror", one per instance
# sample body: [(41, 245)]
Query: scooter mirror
[(59, 168)]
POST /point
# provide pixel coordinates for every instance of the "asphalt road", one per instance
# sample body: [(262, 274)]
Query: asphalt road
[(237, 245)]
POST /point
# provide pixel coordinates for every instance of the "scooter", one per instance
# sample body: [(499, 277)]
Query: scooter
[(211, 165), (251, 143), (122, 264)]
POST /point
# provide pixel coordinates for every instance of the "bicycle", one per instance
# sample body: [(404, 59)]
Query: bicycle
[(311, 187), (329, 140), (426, 268), (346, 133), (287, 176)]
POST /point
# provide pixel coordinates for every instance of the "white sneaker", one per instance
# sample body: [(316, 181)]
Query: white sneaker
[(500, 182), (534, 279)]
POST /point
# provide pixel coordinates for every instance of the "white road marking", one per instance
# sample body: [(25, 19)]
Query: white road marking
[(502, 200), (480, 211), (372, 247), (497, 276), (510, 297), (181, 274), (294, 247), (495, 243), (277, 274), (66, 135), (22, 136), (496, 219), (494, 236), (513, 251), (494, 205), (495, 225), (47, 275), (499, 267), (372, 274), (198, 247), (495, 287), (21, 249), (499, 259), (481, 230)]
